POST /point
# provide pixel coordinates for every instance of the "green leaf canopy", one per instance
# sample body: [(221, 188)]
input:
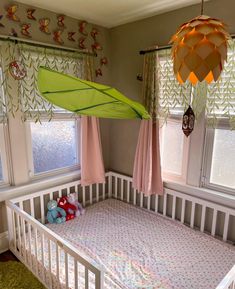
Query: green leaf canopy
[(86, 97)]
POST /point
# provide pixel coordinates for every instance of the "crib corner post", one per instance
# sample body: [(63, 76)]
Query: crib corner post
[(10, 226)]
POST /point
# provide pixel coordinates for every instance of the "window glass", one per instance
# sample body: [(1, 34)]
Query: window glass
[(1, 172), (54, 145), (223, 158), (172, 145)]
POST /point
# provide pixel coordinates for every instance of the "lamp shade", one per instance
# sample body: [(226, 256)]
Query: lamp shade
[(199, 49)]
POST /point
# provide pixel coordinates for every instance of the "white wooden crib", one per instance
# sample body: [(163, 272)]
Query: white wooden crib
[(26, 219)]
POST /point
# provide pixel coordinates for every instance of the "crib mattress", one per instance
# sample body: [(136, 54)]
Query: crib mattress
[(140, 249)]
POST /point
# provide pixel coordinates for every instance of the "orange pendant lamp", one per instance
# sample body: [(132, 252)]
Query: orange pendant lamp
[(199, 49)]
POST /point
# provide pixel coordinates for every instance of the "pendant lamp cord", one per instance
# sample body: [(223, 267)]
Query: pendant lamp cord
[(202, 7)]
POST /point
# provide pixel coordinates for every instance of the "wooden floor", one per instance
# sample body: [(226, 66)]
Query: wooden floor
[(7, 256)]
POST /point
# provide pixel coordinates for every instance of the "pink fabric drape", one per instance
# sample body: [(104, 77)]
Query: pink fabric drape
[(92, 167), (147, 167)]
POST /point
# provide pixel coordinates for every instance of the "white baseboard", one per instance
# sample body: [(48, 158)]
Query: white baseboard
[(4, 246)]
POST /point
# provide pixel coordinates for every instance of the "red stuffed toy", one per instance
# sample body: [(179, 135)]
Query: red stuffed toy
[(69, 208)]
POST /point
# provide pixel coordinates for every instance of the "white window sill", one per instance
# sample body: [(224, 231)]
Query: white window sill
[(10, 192), (202, 193)]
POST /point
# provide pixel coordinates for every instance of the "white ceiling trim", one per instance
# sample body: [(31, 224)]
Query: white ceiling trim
[(110, 13)]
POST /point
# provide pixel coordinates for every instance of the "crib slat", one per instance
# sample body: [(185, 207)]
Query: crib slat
[(128, 192), (19, 233), (103, 188), (75, 274), (32, 207), (86, 278), (66, 270), (60, 193), (182, 211), (173, 208), (214, 221), (115, 187), (97, 192), (148, 202), (42, 209), (14, 228), (122, 192), (164, 204), (36, 248), (83, 196), (134, 197), (141, 200), (42, 250), (202, 227), (192, 215), (24, 240), (156, 203), (91, 195), (110, 186), (30, 245), (57, 262), (226, 221), (49, 262), (51, 196)]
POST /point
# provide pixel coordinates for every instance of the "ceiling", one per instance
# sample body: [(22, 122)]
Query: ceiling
[(110, 13)]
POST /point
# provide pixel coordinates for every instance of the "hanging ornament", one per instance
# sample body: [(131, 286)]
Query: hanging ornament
[(200, 49), (60, 21), (1, 25), (17, 70), (188, 121), (11, 12), (25, 30), (82, 27), (71, 36), (44, 25), (30, 13), (57, 36)]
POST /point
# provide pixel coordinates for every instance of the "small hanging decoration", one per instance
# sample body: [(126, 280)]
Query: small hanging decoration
[(200, 49), (82, 27), (13, 33), (71, 36), (57, 36), (104, 61), (60, 21), (81, 43), (188, 121), (96, 46), (44, 25), (1, 25), (30, 13), (98, 72), (25, 30), (17, 70), (94, 33), (11, 12)]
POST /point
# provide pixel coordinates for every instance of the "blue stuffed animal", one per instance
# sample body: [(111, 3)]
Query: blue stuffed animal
[(55, 214)]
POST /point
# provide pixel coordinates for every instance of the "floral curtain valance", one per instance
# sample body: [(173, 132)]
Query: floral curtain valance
[(23, 94)]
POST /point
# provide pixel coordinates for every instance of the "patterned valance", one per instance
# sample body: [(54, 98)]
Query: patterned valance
[(23, 94)]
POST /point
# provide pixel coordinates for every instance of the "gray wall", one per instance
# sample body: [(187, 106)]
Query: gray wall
[(126, 41)]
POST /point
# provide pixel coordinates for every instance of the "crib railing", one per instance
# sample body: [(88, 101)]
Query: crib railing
[(29, 239), (36, 246), (174, 205)]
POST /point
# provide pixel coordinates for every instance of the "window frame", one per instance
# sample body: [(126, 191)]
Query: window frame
[(168, 176), (54, 172), (5, 155), (207, 161)]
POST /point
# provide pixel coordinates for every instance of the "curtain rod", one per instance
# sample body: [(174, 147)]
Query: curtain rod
[(144, 51), (44, 45)]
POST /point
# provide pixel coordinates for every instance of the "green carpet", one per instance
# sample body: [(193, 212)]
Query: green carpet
[(14, 275)]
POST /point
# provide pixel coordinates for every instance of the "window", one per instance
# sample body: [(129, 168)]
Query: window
[(220, 159), (53, 146), (174, 149)]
